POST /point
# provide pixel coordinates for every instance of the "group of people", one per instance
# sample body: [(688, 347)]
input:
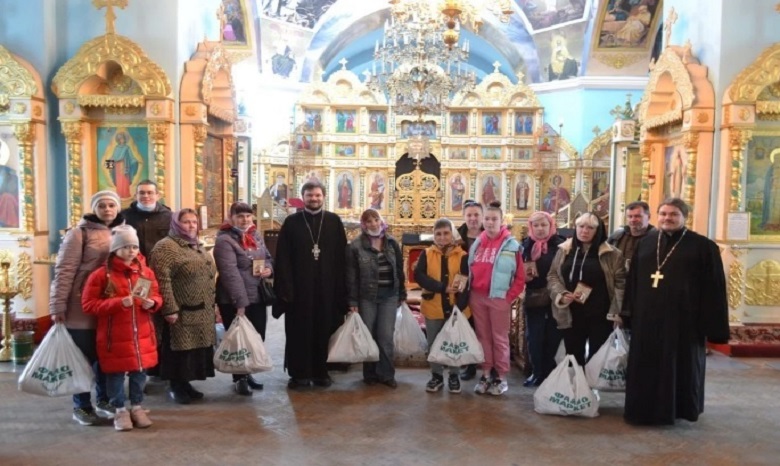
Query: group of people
[(130, 317)]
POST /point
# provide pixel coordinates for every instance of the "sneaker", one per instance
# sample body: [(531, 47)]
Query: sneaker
[(139, 418), (498, 387), (104, 408), (122, 420), (435, 384), (85, 417), (453, 383), (482, 386)]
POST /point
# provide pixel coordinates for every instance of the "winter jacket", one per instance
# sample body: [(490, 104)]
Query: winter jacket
[(431, 275), (151, 226), (507, 269), (126, 340), (363, 269), (236, 285), (613, 266), (186, 278), (84, 249)]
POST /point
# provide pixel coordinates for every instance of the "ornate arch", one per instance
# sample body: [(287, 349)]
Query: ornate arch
[(669, 91), (111, 47), (749, 83)]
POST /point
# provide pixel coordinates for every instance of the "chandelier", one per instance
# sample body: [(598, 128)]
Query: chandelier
[(420, 63)]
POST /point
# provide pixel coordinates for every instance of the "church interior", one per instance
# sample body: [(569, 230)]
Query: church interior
[(411, 108)]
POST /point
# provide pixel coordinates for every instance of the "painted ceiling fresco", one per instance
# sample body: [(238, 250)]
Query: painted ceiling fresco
[(545, 40)]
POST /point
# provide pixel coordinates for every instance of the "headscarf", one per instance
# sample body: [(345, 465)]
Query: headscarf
[(540, 244), (177, 229), (382, 225)]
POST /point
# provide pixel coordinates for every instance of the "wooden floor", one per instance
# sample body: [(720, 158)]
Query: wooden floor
[(351, 424)]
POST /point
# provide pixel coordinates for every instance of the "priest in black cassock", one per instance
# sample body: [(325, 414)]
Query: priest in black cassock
[(675, 301), (309, 283)]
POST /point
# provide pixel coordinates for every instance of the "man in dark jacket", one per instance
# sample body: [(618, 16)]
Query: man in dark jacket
[(150, 218), (637, 227)]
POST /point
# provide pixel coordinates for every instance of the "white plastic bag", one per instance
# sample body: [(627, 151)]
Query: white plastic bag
[(408, 337), (560, 355), (606, 370), (566, 392), (58, 367), (352, 342), (241, 350), (456, 344)]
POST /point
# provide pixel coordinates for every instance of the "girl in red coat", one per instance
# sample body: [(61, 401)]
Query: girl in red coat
[(123, 294)]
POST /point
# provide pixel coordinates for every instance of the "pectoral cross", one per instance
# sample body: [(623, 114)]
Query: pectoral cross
[(316, 252), (656, 277)]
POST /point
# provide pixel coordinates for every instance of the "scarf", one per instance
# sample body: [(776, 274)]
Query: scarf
[(248, 241), (540, 244), (177, 230)]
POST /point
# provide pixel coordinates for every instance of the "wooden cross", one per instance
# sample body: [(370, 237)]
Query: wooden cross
[(496, 66), (109, 6), (656, 277), (670, 20), (343, 63)]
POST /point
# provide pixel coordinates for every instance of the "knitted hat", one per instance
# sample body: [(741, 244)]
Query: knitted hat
[(100, 195), (123, 235)]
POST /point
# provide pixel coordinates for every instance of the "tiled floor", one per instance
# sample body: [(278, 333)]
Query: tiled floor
[(351, 424)]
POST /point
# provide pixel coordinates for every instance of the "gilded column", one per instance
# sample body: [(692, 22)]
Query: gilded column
[(230, 180), (644, 152), (199, 133), (737, 140), (735, 283), (691, 142), (25, 135), (73, 133), (158, 132)]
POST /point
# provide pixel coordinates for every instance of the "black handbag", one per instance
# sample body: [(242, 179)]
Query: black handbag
[(539, 297), (267, 292)]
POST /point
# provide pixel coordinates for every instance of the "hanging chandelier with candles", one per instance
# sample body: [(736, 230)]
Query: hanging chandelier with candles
[(420, 62)]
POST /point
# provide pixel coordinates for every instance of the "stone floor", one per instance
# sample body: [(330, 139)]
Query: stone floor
[(351, 424)]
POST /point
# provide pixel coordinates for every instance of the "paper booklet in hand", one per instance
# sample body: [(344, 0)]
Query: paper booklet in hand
[(460, 281), (530, 269), (142, 288), (581, 292)]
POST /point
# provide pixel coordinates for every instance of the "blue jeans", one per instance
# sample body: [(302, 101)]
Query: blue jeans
[(85, 341), (115, 383), (543, 337), (432, 329), (379, 317)]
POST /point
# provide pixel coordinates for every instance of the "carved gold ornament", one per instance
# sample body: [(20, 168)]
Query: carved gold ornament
[(37, 111), (158, 133), (69, 107), (25, 136), (501, 92), (218, 62), (702, 117), (149, 76), (763, 284), (764, 71), (73, 134), (16, 79), (199, 133), (619, 60), (111, 100), (20, 108), (744, 114), (736, 281), (24, 275), (155, 108), (598, 143), (668, 63), (737, 141)]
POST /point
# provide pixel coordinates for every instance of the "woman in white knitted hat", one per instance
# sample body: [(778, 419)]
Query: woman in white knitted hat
[(84, 248)]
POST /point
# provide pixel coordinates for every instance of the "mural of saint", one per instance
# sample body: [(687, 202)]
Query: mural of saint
[(522, 191), (557, 196), (123, 165), (491, 124), (562, 64), (770, 213), (489, 191), (344, 189), (9, 190), (634, 31), (377, 122), (283, 62), (345, 121), (279, 190), (234, 25), (459, 123), (458, 189), (313, 120), (377, 193), (303, 142)]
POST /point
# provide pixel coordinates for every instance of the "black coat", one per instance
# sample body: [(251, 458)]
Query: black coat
[(151, 226), (669, 325)]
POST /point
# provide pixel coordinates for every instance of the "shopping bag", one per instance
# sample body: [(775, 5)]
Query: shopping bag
[(561, 353), (241, 350), (352, 342), (58, 367), (408, 337), (566, 392), (606, 370), (456, 344)]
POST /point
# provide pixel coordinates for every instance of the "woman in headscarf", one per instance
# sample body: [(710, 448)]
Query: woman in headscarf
[(541, 330), (586, 283), (84, 249), (243, 262), (185, 273), (376, 287)]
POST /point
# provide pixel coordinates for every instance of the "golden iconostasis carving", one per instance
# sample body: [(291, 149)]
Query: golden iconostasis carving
[(23, 199)]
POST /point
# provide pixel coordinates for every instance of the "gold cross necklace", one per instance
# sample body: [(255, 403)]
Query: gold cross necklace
[(316, 249), (657, 276)]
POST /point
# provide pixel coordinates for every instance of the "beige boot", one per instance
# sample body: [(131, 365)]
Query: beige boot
[(139, 417)]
